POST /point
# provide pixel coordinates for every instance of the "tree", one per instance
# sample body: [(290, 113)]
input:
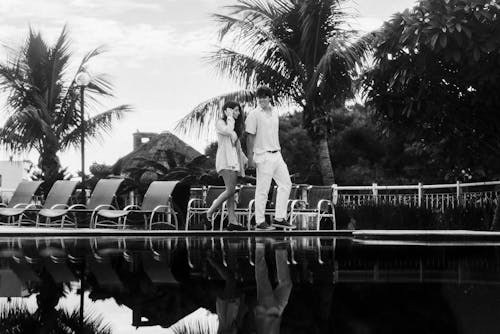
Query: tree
[(436, 81), (17, 319), (300, 49), (43, 101)]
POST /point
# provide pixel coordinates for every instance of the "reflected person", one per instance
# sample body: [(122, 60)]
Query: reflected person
[(230, 304), (271, 303)]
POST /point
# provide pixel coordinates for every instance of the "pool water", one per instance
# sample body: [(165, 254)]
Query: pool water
[(246, 285)]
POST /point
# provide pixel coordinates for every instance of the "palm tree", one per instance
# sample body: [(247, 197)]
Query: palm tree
[(43, 101), (19, 320), (299, 48)]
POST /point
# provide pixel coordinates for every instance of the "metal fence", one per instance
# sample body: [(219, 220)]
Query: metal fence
[(437, 197)]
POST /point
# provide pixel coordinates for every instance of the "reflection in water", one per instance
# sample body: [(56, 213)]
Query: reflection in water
[(271, 302), (243, 285)]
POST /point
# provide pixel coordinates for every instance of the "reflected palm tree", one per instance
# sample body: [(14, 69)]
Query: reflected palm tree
[(19, 320)]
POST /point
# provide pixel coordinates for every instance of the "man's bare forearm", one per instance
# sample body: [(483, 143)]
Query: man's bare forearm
[(250, 145)]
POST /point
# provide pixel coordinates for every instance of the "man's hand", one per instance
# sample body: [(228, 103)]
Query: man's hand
[(250, 163)]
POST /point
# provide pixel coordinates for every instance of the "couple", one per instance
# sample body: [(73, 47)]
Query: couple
[(264, 154)]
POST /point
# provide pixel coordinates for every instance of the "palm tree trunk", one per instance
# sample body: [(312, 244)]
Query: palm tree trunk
[(49, 163), (325, 162)]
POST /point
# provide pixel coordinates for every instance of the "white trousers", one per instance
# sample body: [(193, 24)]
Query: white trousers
[(271, 166)]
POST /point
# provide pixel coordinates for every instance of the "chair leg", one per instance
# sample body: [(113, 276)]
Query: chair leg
[(189, 215), (175, 220), (334, 218)]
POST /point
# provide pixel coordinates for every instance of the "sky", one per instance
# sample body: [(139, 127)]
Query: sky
[(155, 58)]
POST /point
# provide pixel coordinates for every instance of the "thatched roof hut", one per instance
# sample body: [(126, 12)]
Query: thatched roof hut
[(159, 147)]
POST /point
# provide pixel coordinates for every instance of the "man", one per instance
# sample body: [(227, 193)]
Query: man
[(264, 154)]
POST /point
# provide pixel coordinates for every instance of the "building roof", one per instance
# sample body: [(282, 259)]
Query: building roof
[(161, 147)]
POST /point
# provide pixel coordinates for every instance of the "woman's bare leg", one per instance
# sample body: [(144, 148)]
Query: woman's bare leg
[(230, 179)]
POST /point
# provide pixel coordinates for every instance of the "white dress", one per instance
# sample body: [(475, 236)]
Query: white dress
[(229, 154)]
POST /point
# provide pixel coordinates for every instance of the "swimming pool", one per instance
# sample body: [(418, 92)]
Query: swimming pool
[(251, 284)]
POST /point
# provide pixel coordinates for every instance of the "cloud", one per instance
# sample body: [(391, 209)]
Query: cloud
[(10, 9)]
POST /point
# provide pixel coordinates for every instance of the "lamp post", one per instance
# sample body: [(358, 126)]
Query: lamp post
[(82, 81)]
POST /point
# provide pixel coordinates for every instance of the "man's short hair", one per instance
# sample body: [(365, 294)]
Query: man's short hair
[(264, 91)]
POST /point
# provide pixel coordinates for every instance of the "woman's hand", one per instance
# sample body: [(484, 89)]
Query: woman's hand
[(229, 113), (234, 138)]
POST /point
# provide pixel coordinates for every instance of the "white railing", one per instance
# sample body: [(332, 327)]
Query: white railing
[(431, 196), (436, 197)]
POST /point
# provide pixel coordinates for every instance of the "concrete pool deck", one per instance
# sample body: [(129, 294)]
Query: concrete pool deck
[(363, 235), (12, 231)]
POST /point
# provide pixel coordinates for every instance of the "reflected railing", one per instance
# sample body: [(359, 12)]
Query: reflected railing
[(349, 262)]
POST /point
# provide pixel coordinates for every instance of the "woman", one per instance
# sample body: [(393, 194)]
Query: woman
[(230, 160)]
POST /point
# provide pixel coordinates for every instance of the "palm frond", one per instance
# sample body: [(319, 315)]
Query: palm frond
[(246, 70), (332, 75), (95, 126), (20, 129), (256, 39), (84, 62), (202, 118), (259, 12), (57, 65)]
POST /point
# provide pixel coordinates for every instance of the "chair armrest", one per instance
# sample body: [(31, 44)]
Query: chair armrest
[(105, 207), (63, 206), (77, 206), (3, 205), (32, 206), (156, 209), (131, 207), (21, 205), (323, 201), (194, 200)]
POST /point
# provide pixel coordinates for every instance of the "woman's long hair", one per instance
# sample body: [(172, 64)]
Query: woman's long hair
[(238, 122)]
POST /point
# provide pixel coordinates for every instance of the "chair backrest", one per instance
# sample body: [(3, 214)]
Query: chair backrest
[(245, 195), (317, 193), (60, 193), (24, 192), (212, 193), (104, 192), (158, 193)]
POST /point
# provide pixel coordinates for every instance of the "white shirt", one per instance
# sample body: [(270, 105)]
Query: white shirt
[(265, 126), (227, 154)]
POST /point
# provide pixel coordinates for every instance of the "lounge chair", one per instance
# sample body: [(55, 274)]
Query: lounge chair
[(157, 203), (319, 205), (22, 197), (56, 204), (102, 198), (199, 206)]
